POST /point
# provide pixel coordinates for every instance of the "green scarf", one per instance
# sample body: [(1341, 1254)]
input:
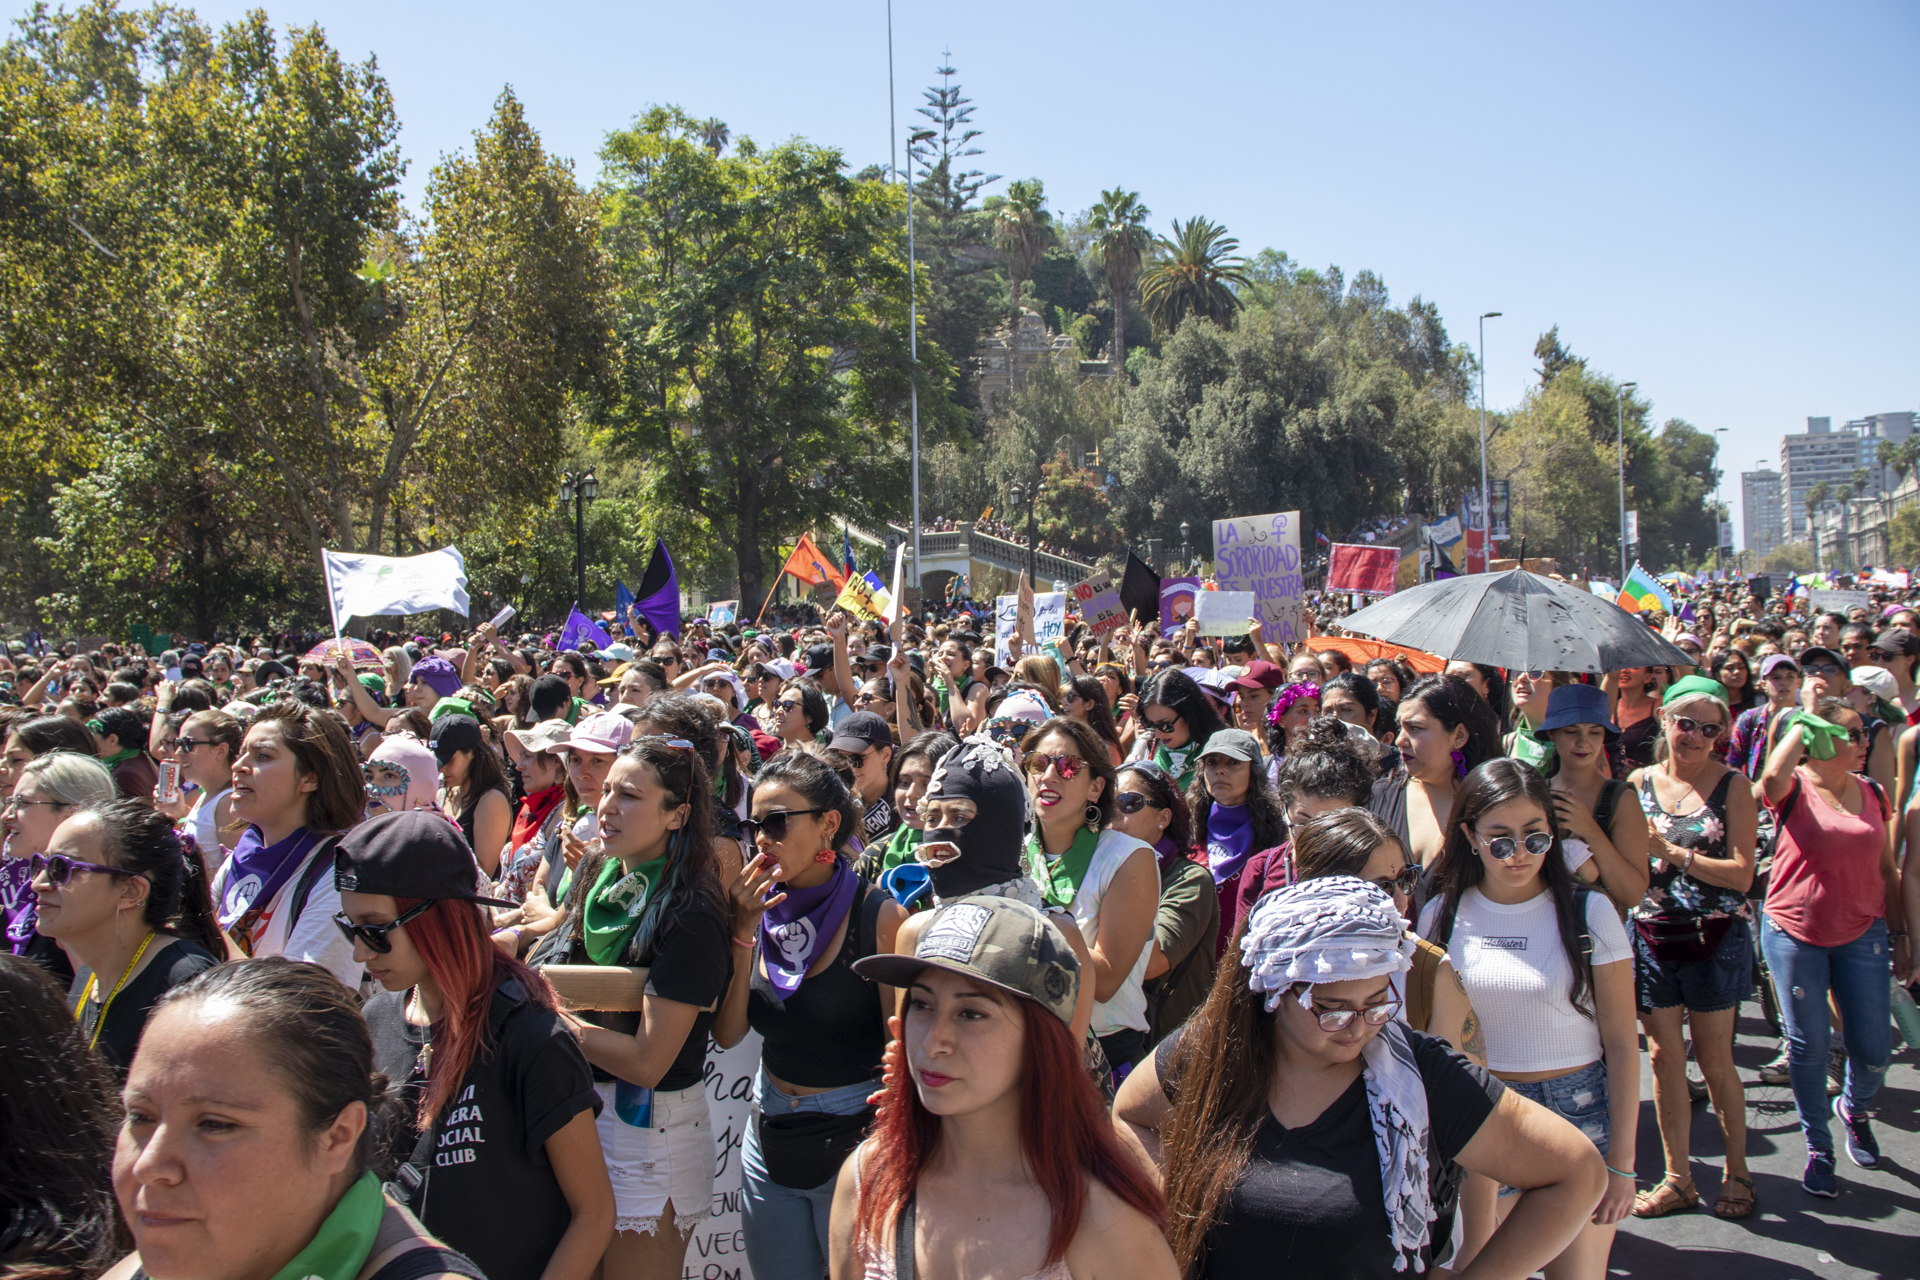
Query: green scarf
[(119, 757), (899, 847), (1063, 874), (1178, 764), (574, 708), (615, 903), (340, 1248), (1528, 749), (1823, 737)]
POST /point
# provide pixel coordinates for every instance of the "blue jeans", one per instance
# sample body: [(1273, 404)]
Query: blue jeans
[(786, 1230), (1858, 975)]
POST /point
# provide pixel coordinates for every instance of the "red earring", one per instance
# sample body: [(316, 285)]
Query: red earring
[(825, 856)]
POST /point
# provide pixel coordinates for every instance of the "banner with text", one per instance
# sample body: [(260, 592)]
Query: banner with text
[(1099, 603), (1261, 554), (1006, 625)]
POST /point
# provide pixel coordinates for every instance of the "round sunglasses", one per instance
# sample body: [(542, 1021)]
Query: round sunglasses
[(1708, 729), (1504, 847), (1067, 766)]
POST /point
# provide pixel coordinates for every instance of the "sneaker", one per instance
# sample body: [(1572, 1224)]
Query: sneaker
[(1861, 1148), (1836, 1071), (1777, 1071), (1819, 1179)]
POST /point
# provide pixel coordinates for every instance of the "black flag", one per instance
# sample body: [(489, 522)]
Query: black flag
[(1140, 589)]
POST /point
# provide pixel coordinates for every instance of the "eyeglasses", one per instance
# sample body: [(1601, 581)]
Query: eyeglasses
[(784, 706), (188, 744), (60, 868), (1135, 801), (1821, 669), (1504, 847), (1709, 730), (1164, 726), (1880, 655), (1067, 766), (375, 935), (866, 698), (1857, 737), (1340, 1019), (15, 802), (1401, 881), (774, 823)]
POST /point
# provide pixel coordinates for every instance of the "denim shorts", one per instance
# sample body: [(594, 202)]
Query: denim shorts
[(1721, 981), (1579, 1098)]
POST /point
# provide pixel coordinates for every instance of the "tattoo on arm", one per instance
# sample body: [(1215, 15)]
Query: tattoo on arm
[(1473, 1041)]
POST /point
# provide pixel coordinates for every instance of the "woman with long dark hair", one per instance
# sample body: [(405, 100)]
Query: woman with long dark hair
[(1550, 973), (802, 918), (1085, 698), (1302, 1130), (1179, 719), (992, 1154), (652, 898), (1446, 730), (476, 795), (126, 899), (1186, 927), (1490, 683), (500, 1154), (1735, 674), (1603, 829)]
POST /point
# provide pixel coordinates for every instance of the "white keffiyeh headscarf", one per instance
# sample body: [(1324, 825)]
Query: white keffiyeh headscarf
[(1336, 930)]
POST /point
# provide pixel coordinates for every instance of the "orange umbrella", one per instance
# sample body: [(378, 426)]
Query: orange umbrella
[(1361, 652)]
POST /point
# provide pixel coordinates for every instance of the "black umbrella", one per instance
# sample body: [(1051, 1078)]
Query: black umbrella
[(1517, 620)]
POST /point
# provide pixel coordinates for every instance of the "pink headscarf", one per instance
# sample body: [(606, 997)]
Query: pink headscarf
[(411, 757)]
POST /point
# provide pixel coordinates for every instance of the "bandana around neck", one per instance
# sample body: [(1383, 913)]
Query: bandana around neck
[(17, 903), (534, 811), (1060, 878), (794, 932), (339, 1249), (615, 903), (258, 871), (1178, 764), (1229, 839)]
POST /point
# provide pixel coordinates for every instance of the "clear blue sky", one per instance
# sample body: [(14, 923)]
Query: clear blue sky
[(1717, 200)]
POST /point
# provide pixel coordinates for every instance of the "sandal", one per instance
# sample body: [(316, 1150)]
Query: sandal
[(1731, 1204), (1672, 1194)]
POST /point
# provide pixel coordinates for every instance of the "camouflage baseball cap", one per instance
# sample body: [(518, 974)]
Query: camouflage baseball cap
[(999, 941)]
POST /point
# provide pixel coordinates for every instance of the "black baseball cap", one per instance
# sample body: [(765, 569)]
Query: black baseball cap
[(454, 733), (859, 731), (415, 853), (820, 658)]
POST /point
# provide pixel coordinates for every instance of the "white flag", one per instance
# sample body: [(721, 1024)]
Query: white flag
[(363, 586), (898, 603)]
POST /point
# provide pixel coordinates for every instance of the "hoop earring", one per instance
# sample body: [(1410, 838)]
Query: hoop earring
[(1459, 765), (1093, 815)]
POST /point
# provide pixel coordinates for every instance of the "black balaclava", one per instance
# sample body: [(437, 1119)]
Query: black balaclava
[(990, 845)]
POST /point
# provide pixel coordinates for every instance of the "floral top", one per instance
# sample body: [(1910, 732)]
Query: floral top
[(1704, 830)]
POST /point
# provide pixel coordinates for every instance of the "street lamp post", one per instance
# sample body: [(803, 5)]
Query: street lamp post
[(1486, 512), (1620, 426), (579, 488), (1030, 495), (1186, 546), (1719, 502), (913, 332)]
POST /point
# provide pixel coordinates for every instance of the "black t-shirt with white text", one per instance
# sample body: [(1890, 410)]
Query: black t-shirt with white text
[(1310, 1205), (490, 1191)]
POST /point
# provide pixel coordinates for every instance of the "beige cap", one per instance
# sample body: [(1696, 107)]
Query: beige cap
[(544, 736)]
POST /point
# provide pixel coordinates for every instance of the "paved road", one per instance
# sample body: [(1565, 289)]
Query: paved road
[(1872, 1230)]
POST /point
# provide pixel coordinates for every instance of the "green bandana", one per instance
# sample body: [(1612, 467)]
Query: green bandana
[(454, 707), (1823, 738), (615, 903), (574, 708), (1064, 873), (1178, 764), (119, 757), (1528, 749), (899, 847), (340, 1248)]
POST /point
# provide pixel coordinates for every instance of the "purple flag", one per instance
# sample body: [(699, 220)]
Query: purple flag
[(658, 598), (580, 627)]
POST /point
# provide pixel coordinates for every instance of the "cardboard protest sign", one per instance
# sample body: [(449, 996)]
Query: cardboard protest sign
[(1049, 618), (1176, 603), (1838, 601), (1353, 567), (1099, 603), (1261, 554), (1224, 613), (1024, 619), (1006, 625)]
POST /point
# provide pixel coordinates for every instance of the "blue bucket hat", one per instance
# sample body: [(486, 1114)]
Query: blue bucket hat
[(1576, 704)]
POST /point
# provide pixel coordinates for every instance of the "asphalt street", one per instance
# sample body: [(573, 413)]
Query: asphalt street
[(1872, 1229)]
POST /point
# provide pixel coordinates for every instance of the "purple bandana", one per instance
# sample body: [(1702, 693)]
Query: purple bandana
[(256, 872), (1229, 839), (794, 933), (17, 905), (1166, 852)]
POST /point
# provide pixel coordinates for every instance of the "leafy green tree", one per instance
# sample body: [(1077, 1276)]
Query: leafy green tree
[(1195, 276), (1022, 231), (762, 312), (1120, 222), (1797, 557)]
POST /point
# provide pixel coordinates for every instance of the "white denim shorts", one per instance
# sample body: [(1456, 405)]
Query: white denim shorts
[(667, 1158)]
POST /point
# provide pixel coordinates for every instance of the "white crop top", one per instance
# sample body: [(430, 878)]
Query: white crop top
[(1518, 976)]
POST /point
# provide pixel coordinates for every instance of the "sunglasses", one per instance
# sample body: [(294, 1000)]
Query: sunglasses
[(1401, 881), (871, 668), (720, 683), (1821, 669), (1880, 655), (60, 868), (774, 823), (1709, 730), (375, 935), (1068, 767), (1504, 847), (784, 706), (867, 698), (188, 744), (1376, 1015), (1164, 726), (1134, 801)]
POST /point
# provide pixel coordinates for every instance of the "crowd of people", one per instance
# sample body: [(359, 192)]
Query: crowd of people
[(1135, 955)]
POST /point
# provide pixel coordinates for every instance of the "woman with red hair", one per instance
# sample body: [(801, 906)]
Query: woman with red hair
[(499, 1150), (992, 1153)]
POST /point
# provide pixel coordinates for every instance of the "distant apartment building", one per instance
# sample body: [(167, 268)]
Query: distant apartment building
[(1821, 453), (1760, 519)]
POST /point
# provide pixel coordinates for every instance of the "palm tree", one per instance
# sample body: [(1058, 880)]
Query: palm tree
[(1192, 279), (714, 135), (1022, 228), (1815, 497), (1120, 220)]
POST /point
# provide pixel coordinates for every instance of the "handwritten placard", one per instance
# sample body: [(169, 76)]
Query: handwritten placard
[(718, 1247), (1261, 554), (1006, 625), (1825, 601), (1099, 603), (1223, 613), (1049, 617)]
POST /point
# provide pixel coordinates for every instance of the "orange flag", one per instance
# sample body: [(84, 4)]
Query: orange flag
[(807, 564)]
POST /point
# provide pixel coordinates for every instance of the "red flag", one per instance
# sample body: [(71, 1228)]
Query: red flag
[(1369, 569), (807, 564)]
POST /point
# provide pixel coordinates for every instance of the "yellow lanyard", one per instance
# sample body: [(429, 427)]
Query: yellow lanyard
[(94, 979)]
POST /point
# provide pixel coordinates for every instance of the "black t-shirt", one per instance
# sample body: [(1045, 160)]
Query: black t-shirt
[(177, 962), (830, 1032), (879, 822), (691, 963), (1310, 1204), (490, 1191)]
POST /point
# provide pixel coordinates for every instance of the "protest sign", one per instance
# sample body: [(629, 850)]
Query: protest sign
[(1824, 601), (1261, 554), (1224, 613), (1006, 625), (1049, 618), (1099, 603), (1351, 567), (721, 612), (717, 1247), (1176, 603)]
